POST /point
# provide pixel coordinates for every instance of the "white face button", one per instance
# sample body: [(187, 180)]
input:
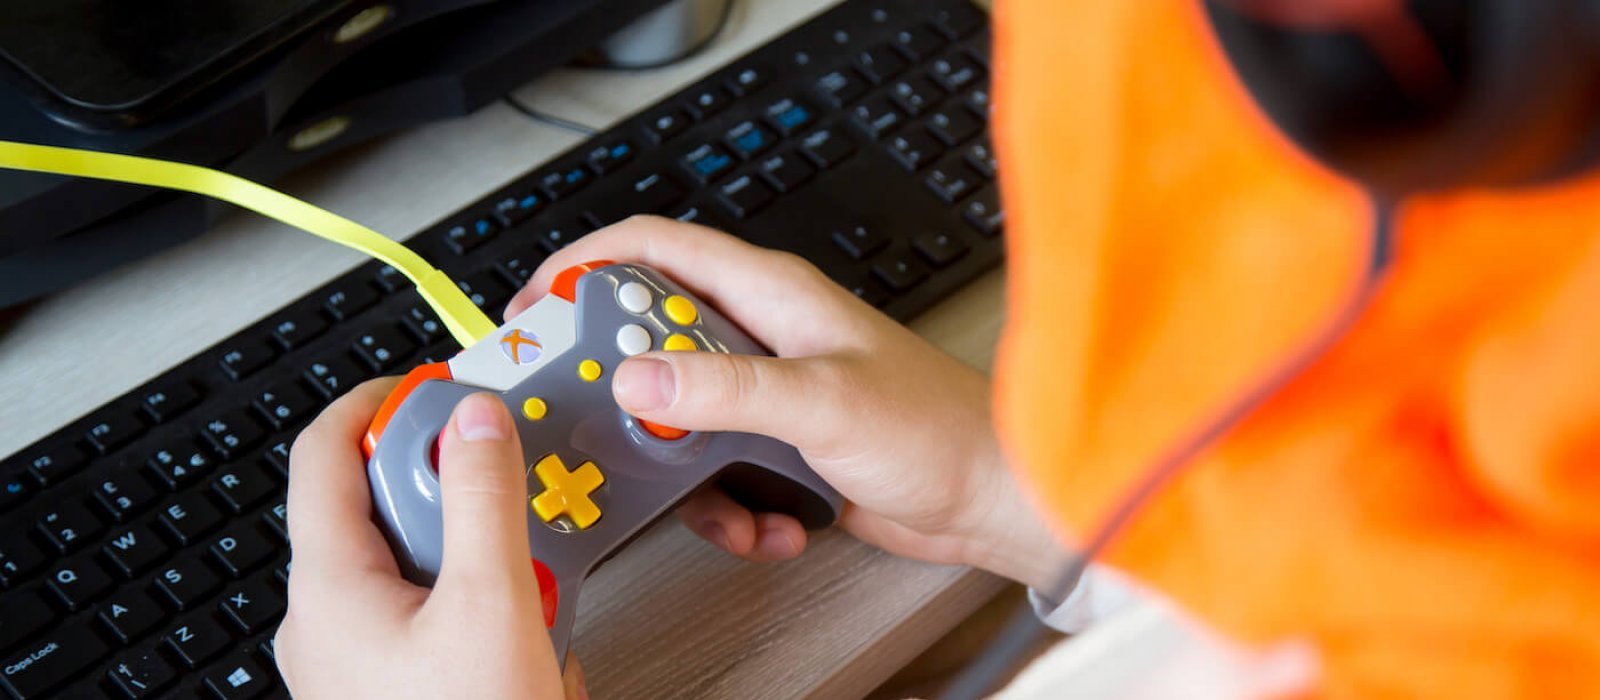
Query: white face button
[(633, 339), (634, 297)]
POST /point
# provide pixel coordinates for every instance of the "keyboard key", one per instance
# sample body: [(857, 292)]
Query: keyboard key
[(827, 147), (390, 280), (699, 214), (197, 639), (252, 606), (241, 550), (981, 157), (277, 518), (786, 171), (243, 487), (749, 139), (334, 376), (141, 674), (133, 550), (940, 249), (296, 330), (242, 359), (111, 431), (511, 211), (124, 494), (747, 80), (69, 526), (860, 242), (517, 270), (559, 235), (78, 582), (465, 237), (238, 677), (951, 180), (916, 95), (483, 288), (53, 659), (652, 194), (841, 87), (666, 124), (983, 212), (169, 400), (190, 517), (870, 292), (977, 102), (57, 464), (707, 102), (914, 149), (955, 72), (607, 158), (187, 583), (129, 614), (900, 273), (21, 615), (563, 183), (277, 455), (789, 116), (953, 126), (232, 434), (19, 558), (743, 196), (383, 348), (284, 405), (879, 64), (877, 116), (917, 43), (707, 162), (15, 485), (179, 465), (958, 20), (344, 303), (422, 324)]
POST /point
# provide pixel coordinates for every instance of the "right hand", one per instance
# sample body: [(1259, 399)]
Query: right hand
[(901, 429)]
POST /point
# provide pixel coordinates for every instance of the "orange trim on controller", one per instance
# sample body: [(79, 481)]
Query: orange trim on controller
[(662, 431), (418, 375), (566, 283)]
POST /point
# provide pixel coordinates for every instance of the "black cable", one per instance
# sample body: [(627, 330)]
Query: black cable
[(551, 119), (1024, 629)]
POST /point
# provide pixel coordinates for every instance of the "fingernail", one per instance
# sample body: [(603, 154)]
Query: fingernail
[(481, 417), (780, 544), (644, 384), (717, 535)]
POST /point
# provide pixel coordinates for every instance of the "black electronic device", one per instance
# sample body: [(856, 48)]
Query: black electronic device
[(420, 67), (869, 156)]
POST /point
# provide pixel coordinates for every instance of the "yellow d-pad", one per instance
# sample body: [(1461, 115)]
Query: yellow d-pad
[(567, 493)]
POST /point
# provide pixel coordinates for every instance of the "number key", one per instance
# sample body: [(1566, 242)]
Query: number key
[(232, 433), (69, 526)]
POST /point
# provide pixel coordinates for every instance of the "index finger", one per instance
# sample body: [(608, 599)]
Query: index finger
[(330, 502), (760, 289)]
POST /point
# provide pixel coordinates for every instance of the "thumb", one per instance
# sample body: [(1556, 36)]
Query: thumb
[(743, 393), (482, 484)]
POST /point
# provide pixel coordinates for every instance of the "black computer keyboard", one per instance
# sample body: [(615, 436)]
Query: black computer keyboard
[(142, 548)]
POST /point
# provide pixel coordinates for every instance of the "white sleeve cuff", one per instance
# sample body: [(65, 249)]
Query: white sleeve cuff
[(1100, 593)]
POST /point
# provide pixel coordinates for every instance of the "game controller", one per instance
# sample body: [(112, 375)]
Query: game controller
[(597, 477)]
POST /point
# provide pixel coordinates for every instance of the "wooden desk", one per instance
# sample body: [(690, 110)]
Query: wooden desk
[(670, 617)]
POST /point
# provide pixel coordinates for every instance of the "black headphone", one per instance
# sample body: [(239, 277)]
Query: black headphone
[(1410, 96), (1405, 97)]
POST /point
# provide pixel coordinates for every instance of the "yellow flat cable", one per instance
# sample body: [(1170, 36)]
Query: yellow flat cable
[(464, 320)]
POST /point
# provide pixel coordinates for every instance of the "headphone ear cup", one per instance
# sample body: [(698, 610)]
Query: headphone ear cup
[(1513, 99)]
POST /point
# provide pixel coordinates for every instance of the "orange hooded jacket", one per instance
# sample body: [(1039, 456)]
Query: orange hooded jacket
[(1423, 503)]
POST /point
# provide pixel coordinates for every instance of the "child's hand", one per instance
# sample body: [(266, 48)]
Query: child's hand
[(356, 629), (900, 428)]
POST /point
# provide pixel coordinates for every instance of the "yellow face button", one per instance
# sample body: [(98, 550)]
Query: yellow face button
[(588, 370), (678, 342), (680, 310), (567, 493), (534, 408)]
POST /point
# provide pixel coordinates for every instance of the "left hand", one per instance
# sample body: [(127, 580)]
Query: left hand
[(356, 629)]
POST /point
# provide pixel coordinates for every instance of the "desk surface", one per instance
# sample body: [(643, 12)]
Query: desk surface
[(670, 616)]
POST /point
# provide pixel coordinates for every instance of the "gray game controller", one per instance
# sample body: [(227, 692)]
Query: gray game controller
[(597, 476)]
